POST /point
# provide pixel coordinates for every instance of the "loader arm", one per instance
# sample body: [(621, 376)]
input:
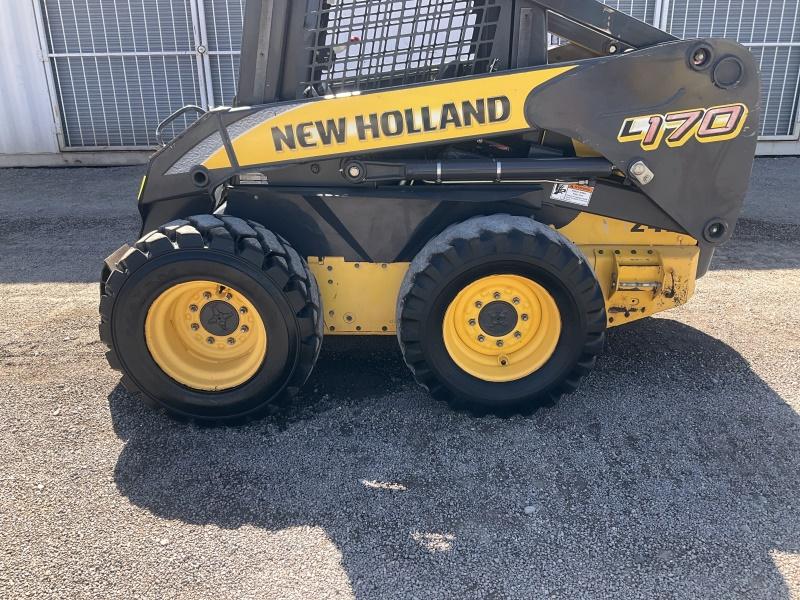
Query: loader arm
[(682, 137)]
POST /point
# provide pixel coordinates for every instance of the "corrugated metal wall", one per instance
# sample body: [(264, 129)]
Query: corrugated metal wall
[(770, 29), (121, 66)]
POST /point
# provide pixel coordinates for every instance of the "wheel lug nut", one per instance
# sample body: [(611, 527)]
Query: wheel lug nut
[(245, 329), (517, 334), (193, 308), (515, 300), (478, 304), (481, 338), (472, 322), (499, 343), (524, 317), (195, 326), (497, 295), (243, 310), (231, 341), (228, 296), (207, 295), (210, 340)]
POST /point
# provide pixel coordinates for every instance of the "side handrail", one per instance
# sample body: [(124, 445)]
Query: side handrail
[(178, 113)]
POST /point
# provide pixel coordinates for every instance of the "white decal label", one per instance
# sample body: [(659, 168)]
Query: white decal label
[(572, 193)]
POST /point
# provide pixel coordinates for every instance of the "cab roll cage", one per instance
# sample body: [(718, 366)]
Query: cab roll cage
[(285, 40)]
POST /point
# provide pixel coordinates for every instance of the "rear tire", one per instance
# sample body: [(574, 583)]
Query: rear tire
[(500, 315), (211, 318)]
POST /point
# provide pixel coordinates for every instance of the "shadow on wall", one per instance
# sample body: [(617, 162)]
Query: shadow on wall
[(672, 472)]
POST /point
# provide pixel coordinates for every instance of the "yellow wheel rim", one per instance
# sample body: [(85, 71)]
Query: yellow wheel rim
[(502, 328), (206, 336)]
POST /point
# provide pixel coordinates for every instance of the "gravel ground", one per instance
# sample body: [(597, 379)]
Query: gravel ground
[(672, 472)]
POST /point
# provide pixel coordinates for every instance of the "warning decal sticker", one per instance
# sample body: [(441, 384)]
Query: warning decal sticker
[(572, 193)]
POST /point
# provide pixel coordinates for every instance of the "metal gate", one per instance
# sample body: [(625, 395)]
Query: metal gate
[(769, 28), (119, 67), (644, 10)]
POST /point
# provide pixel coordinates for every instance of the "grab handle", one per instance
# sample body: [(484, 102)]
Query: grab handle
[(178, 113)]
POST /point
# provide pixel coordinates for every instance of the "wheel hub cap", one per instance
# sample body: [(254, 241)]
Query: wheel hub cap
[(498, 318), (502, 327), (206, 335), (219, 318)]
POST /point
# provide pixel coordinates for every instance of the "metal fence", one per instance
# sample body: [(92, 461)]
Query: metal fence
[(644, 10), (121, 66), (223, 31), (770, 29)]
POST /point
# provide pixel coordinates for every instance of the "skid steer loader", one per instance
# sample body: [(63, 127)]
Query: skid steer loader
[(495, 182)]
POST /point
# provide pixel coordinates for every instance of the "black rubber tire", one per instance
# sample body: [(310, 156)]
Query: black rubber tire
[(235, 252), (499, 244)]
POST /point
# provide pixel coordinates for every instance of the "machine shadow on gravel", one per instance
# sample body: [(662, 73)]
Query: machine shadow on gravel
[(669, 473)]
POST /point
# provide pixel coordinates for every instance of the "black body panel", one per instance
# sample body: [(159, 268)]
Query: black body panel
[(698, 188), (392, 225), (694, 184)]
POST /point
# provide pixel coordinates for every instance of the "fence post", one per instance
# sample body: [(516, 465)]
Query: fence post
[(660, 14)]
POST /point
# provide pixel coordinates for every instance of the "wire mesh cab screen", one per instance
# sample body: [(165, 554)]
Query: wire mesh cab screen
[(369, 44)]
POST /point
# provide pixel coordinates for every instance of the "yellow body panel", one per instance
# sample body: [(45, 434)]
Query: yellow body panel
[(583, 150), (643, 280), (358, 298), (587, 229), (641, 271), (355, 123)]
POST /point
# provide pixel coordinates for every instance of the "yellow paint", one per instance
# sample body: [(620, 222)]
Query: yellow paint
[(583, 150), (141, 188), (192, 356), (729, 136), (523, 350), (719, 121), (256, 146), (673, 270), (358, 298), (368, 293), (588, 229)]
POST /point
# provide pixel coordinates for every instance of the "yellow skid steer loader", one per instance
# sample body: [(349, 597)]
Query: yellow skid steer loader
[(495, 182)]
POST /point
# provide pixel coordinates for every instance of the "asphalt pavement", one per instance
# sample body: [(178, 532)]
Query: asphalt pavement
[(674, 471)]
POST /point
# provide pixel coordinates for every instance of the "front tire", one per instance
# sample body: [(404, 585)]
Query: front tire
[(211, 318), (500, 315)]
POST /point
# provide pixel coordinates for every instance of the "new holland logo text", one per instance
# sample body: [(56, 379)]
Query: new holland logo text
[(715, 124), (392, 123)]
